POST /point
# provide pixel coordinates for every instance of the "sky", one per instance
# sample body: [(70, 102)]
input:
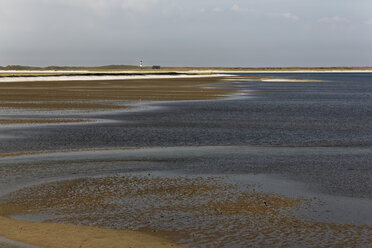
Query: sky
[(244, 33)]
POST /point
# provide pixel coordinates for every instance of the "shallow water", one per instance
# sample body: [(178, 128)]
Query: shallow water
[(336, 112), (310, 139), (297, 177)]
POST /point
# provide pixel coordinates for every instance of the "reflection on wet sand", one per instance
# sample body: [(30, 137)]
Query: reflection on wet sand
[(288, 127), (193, 211)]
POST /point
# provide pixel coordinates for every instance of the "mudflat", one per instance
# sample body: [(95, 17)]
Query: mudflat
[(281, 162), (105, 94)]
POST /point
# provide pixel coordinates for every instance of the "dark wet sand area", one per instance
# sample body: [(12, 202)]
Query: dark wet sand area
[(279, 164), (194, 211)]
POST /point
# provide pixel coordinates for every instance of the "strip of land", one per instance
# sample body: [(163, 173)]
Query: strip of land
[(131, 68), (40, 121), (106, 94), (62, 236)]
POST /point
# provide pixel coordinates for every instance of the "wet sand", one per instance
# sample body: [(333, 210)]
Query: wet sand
[(106, 94), (191, 210), (7, 243), (143, 189), (61, 236), (30, 121), (77, 95), (272, 129)]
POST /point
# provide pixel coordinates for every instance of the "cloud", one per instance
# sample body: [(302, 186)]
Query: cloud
[(105, 6), (181, 32), (334, 20), (88, 4), (237, 8), (368, 22), (290, 16), (138, 5)]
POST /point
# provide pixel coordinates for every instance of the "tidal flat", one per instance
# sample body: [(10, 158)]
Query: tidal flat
[(231, 161), (105, 94)]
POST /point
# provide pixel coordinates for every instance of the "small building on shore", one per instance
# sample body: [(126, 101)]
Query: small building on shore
[(156, 67)]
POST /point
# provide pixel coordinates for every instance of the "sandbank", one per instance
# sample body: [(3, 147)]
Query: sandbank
[(63, 236), (105, 94), (77, 77)]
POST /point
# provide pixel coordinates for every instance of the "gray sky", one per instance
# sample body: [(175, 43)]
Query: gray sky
[(186, 33)]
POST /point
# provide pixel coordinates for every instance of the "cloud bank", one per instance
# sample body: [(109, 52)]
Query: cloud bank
[(190, 33)]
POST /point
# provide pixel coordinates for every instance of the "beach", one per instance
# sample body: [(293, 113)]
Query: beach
[(212, 160)]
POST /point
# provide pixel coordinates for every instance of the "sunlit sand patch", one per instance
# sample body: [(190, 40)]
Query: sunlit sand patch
[(290, 80), (61, 106), (244, 78), (267, 79), (106, 94), (194, 211), (19, 154), (39, 121), (91, 77), (62, 236)]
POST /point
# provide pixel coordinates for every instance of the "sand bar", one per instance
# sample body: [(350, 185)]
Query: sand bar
[(105, 94), (62, 236), (103, 77)]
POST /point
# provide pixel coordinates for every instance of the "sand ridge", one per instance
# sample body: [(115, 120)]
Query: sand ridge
[(39, 121), (66, 236), (106, 94)]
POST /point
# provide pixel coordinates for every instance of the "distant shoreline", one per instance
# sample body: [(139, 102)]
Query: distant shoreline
[(134, 68), (177, 71), (301, 71), (49, 75), (20, 77)]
